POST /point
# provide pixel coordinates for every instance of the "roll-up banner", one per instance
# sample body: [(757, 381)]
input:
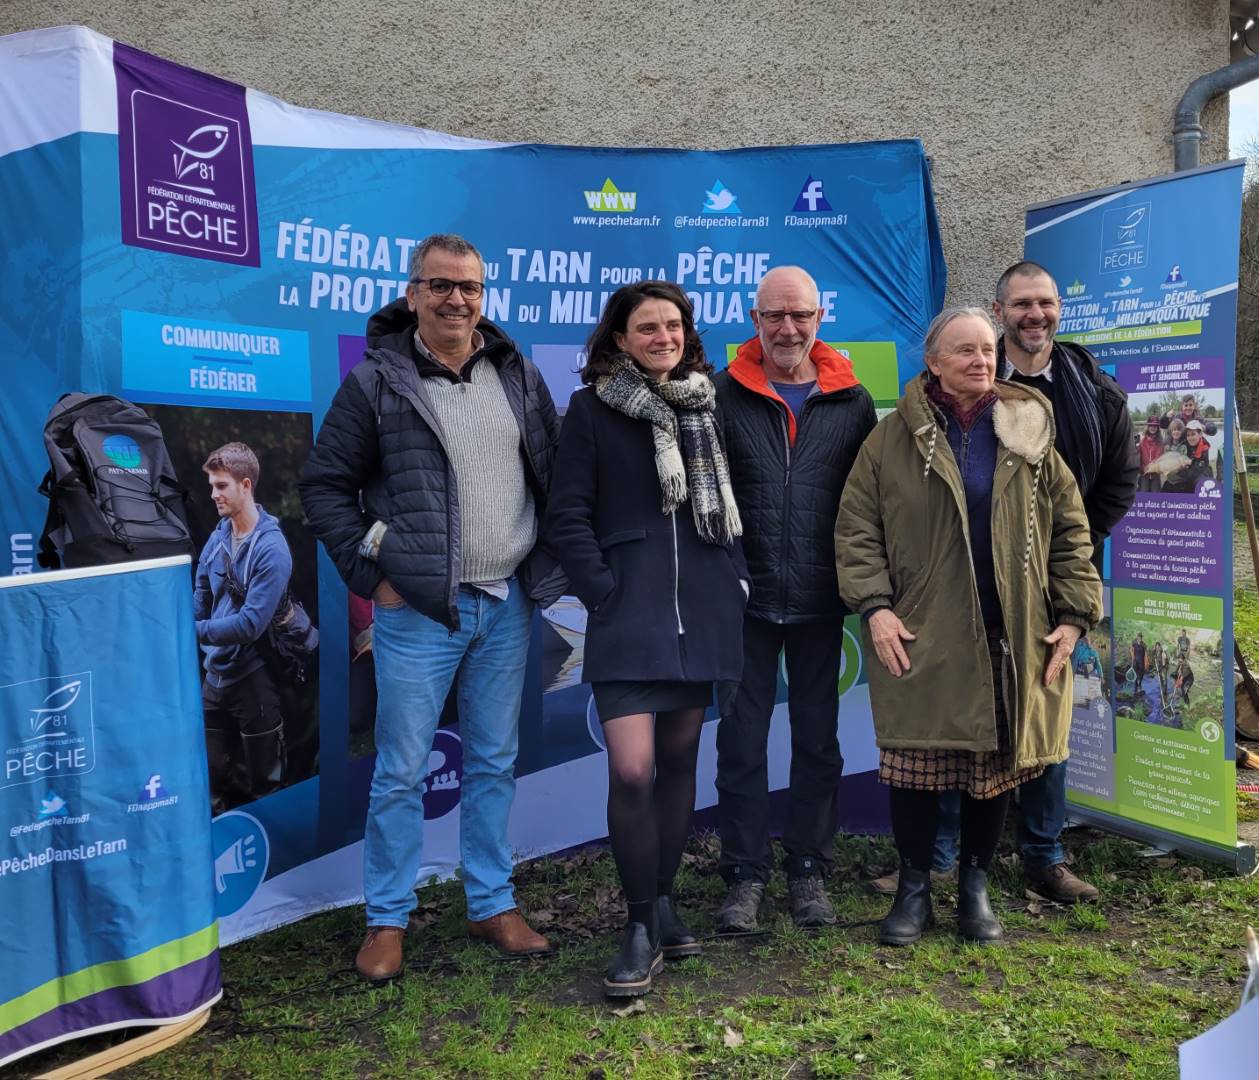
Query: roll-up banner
[(1148, 277), (107, 909), (214, 254)]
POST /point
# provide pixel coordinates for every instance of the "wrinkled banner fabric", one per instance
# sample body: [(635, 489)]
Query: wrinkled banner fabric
[(106, 900), (214, 254)]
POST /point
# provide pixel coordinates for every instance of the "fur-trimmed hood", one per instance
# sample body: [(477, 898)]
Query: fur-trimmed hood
[(1022, 417), (1023, 421)]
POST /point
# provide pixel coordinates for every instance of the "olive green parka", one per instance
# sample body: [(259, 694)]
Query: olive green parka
[(902, 541)]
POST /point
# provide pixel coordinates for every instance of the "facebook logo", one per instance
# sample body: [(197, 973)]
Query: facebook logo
[(153, 789), (811, 198)]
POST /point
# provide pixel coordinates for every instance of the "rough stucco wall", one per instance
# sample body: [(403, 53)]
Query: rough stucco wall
[(1017, 102)]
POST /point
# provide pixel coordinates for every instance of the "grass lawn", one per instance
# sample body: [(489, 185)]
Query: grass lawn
[(1104, 990)]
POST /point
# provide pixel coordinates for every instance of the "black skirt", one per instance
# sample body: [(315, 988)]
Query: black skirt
[(627, 697)]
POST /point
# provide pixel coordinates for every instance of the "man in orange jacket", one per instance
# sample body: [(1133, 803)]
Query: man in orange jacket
[(794, 417)]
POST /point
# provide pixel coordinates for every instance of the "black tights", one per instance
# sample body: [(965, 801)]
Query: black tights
[(915, 815), (651, 797)]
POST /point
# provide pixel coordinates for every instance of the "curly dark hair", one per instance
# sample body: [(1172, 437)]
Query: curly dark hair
[(602, 349)]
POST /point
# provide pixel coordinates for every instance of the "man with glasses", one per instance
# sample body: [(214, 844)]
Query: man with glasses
[(794, 417), (426, 485)]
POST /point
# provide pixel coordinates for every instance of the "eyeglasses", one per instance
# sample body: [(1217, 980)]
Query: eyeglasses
[(440, 286), (775, 318)]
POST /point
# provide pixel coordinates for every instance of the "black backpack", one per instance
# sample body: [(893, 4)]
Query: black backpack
[(112, 491), (290, 642)]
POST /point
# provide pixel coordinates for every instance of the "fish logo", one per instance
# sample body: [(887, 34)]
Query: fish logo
[(721, 200), (52, 710), (1128, 227), (203, 145)]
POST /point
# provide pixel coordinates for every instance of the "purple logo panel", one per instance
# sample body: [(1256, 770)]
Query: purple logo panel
[(185, 160), (350, 349), (1175, 534)]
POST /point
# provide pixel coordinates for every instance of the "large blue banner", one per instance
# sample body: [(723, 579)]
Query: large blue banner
[(1148, 276), (214, 254), (106, 901)]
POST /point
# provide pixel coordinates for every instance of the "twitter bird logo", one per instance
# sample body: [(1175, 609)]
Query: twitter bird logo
[(52, 804), (721, 200)]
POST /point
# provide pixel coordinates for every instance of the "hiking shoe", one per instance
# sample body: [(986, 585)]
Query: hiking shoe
[(887, 884), (737, 914), (1058, 884), (810, 906)]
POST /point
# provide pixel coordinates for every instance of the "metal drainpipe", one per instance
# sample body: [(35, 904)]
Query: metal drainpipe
[(1187, 130)]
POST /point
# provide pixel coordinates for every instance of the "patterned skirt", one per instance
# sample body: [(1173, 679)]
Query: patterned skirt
[(980, 774)]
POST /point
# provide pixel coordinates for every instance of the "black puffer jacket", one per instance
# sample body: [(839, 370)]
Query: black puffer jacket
[(380, 456), (788, 478)]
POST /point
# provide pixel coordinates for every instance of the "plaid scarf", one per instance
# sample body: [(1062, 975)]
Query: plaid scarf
[(689, 459)]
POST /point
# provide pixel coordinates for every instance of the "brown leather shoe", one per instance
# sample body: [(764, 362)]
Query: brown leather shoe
[(379, 958), (1057, 883), (510, 933)]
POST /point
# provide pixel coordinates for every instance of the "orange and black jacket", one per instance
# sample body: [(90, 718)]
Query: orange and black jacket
[(788, 473)]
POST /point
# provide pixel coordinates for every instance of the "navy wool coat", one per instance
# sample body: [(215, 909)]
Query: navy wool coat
[(661, 603)]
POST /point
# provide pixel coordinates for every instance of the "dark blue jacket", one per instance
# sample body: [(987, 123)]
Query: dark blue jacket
[(639, 572), (227, 632), (975, 451)]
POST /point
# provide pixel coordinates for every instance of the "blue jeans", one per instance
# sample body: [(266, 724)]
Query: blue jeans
[(416, 660), (1043, 805)]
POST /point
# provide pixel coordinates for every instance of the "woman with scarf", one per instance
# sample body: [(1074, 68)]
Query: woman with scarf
[(962, 541), (643, 519)]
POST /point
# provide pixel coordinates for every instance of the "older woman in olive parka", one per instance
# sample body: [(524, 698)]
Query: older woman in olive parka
[(962, 541)]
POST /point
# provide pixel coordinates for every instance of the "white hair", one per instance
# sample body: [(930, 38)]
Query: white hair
[(817, 295), (931, 343)]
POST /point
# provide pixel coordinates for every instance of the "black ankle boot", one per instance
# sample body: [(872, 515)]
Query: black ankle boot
[(676, 940), (976, 920), (911, 911), (632, 968)]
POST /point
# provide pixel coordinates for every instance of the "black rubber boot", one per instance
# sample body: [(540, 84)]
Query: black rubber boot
[(632, 968), (911, 911), (226, 774), (976, 920), (264, 761), (676, 940)]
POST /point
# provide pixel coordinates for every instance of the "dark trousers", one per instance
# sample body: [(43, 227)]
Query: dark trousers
[(244, 738), (813, 652)]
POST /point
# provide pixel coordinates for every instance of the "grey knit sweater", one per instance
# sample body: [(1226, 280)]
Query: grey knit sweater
[(498, 522)]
